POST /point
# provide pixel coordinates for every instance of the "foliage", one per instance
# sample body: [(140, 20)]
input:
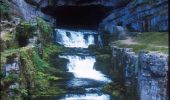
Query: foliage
[(25, 29), (7, 42), (7, 36), (40, 73), (5, 10), (39, 63), (37, 74), (45, 29), (115, 89), (100, 50), (51, 49)]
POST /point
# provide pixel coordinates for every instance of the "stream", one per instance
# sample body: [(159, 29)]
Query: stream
[(87, 82)]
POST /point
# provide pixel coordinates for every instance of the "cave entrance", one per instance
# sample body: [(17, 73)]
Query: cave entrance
[(85, 17), (22, 40)]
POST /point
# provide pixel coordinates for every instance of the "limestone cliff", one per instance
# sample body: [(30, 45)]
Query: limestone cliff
[(139, 15)]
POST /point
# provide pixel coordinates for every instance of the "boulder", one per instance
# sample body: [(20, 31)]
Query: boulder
[(117, 32)]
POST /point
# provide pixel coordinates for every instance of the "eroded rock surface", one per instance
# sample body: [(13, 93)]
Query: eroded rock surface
[(140, 15)]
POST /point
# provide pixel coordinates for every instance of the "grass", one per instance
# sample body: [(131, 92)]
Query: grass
[(154, 38), (149, 41)]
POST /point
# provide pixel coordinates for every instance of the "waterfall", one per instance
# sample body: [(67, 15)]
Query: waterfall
[(79, 39), (87, 96), (82, 67), (90, 39)]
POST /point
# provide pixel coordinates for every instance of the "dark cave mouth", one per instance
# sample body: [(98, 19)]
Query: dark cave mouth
[(85, 17)]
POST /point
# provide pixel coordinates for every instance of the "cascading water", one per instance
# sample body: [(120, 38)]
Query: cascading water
[(82, 67), (81, 64), (85, 77), (76, 39), (94, 96)]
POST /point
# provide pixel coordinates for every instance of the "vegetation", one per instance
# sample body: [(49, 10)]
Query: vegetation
[(154, 38), (116, 90), (38, 73), (151, 41), (5, 10), (103, 58), (45, 29)]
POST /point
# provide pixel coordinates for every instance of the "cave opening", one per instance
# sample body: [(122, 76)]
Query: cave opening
[(82, 17)]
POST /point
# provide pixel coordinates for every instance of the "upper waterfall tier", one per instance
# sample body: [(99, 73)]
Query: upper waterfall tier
[(77, 39)]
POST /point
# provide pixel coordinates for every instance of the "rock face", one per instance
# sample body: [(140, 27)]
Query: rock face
[(140, 15), (111, 3), (125, 65), (11, 69), (144, 74), (118, 32), (152, 76), (31, 10)]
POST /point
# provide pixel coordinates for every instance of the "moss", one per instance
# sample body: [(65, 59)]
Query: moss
[(103, 58), (43, 76), (114, 90), (8, 42), (26, 29), (35, 71), (115, 93), (38, 74), (50, 49), (46, 31), (100, 50), (7, 36)]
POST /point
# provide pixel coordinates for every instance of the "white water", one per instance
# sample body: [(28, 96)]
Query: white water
[(87, 97), (84, 68), (70, 38)]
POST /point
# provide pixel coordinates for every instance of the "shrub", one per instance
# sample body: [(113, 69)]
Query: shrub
[(24, 31), (45, 29)]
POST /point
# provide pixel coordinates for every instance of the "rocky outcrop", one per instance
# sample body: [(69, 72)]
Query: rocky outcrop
[(152, 76), (140, 15), (125, 65), (144, 75), (29, 11), (11, 71), (118, 32)]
